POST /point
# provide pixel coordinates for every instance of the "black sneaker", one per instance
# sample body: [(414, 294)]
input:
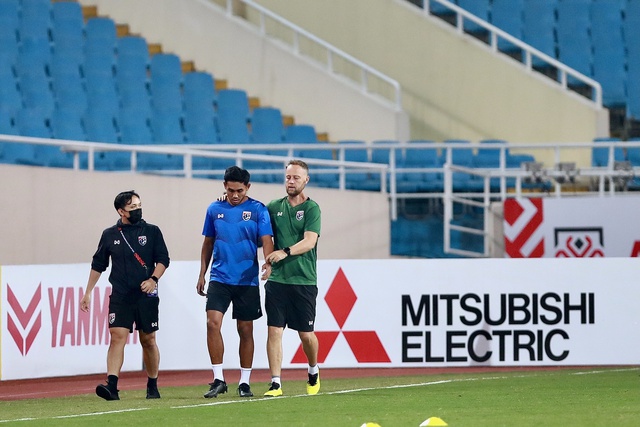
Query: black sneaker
[(106, 393), (244, 390), (217, 387), (153, 393)]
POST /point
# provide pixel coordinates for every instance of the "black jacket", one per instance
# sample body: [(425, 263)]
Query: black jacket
[(127, 273)]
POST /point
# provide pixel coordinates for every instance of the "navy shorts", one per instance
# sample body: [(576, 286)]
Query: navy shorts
[(245, 299), (291, 305), (140, 309)]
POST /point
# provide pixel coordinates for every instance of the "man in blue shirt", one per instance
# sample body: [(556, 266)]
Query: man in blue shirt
[(233, 230)]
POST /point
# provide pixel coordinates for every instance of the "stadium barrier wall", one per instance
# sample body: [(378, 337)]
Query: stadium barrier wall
[(371, 313)]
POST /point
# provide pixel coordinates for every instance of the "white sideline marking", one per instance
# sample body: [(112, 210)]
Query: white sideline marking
[(262, 399)]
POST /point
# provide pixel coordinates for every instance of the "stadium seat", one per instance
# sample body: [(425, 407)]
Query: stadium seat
[(166, 127), (198, 91), (31, 122), (600, 156), (66, 123), (100, 35), (300, 134), (233, 101), (479, 8), (232, 126), (266, 125), (165, 68), (507, 15), (539, 26)]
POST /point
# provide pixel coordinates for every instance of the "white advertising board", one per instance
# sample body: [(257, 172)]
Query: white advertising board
[(44, 333), (572, 227), (371, 313)]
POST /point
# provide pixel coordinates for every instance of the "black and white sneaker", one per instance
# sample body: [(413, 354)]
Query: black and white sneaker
[(244, 390), (217, 387)]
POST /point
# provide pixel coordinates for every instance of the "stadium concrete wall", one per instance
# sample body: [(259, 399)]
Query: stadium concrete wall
[(453, 86), (54, 216), (230, 49)]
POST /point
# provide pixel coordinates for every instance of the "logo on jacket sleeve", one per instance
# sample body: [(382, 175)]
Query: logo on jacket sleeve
[(142, 240)]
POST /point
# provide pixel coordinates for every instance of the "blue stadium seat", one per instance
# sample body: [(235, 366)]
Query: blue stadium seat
[(67, 26), (31, 122), (37, 94), (100, 35), (100, 125), (266, 125), (166, 96), (539, 25), (167, 127), (573, 32), (600, 156), (134, 95), (233, 100), (102, 94), (479, 8), (232, 126), (300, 134), (165, 69), (507, 15), (198, 90), (98, 64), (422, 181), (66, 123), (200, 126), (10, 96), (132, 60)]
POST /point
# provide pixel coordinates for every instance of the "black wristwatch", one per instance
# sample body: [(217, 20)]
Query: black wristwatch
[(154, 278), (287, 251)]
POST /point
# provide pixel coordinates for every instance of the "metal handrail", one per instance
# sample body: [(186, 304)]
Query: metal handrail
[(332, 51), (530, 52)]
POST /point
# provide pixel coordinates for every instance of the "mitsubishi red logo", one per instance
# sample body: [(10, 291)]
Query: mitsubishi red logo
[(24, 342), (365, 345)]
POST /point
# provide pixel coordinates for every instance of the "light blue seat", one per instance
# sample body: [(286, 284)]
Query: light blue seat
[(266, 125), (300, 134), (600, 156), (200, 126), (507, 15), (198, 91), (102, 94), (232, 127), (98, 65), (100, 35), (37, 94), (539, 26), (233, 100), (134, 95), (167, 127), (479, 8), (32, 122), (166, 96), (66, 123), (165, 68)]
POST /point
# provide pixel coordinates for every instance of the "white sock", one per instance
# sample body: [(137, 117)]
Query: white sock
[(312, 370), (245, 373), (218, 372), (276, 380)]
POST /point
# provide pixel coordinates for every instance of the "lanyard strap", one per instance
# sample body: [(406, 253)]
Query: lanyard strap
[(135, 254)]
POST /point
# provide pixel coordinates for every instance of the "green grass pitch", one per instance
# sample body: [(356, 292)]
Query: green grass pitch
[(567, 397)]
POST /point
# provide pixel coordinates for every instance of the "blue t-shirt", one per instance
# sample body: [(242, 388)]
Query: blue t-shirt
[(237, 232)]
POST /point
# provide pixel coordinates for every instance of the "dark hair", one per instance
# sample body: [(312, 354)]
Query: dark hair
[(124, 198), (237, 174), (300, 163)]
